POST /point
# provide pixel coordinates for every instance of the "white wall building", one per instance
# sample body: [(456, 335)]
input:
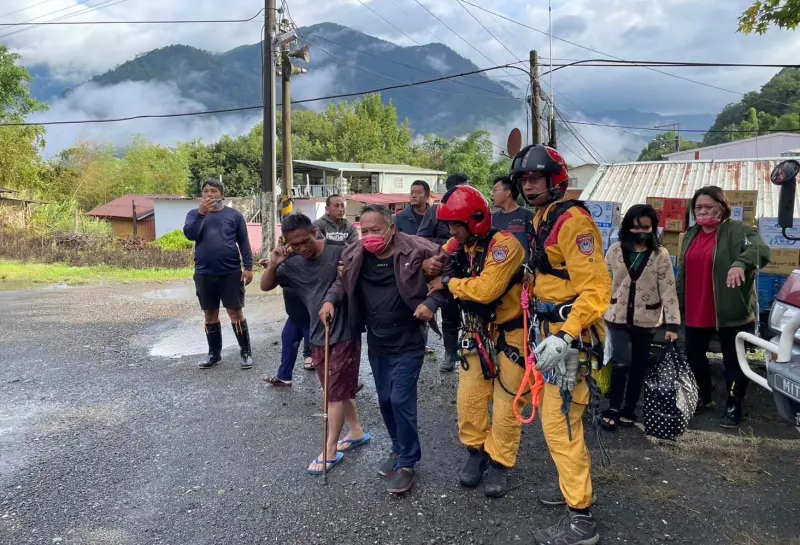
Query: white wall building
[(580, 175), (759, 147)]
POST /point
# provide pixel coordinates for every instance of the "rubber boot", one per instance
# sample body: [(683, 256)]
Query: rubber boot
[(243, 337), (214, 338), (496, 484), (472, 472)]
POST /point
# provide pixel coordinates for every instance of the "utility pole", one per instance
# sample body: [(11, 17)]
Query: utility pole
[(535, 99), (287, 71), (553, 140), (268, 168), (675, 127)]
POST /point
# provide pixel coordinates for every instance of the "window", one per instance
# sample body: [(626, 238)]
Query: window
[(397, 183)]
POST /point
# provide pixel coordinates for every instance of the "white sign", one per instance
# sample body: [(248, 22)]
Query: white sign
[(605, 213), (772, 233)]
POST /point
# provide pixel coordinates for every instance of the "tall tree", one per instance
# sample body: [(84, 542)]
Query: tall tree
[(663, 144), (762, 14)]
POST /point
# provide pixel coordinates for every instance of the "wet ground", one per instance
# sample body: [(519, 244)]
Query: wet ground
[(110, 435)]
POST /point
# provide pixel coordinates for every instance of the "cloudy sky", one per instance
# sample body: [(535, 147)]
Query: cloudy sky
[(665, 30)]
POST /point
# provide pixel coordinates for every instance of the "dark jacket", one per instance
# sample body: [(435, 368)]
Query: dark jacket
[(738, 245), (409, 253), (342, 234), (433, 229), (406, 221)]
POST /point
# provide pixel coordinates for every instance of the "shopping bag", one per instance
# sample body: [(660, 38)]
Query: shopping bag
[(670, 395)]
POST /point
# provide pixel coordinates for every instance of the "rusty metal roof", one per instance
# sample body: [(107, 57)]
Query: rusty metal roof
[(632, 183), (122, 207)]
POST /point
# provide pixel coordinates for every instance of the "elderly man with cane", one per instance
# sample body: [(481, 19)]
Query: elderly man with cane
[(385, 290), (310, 274)]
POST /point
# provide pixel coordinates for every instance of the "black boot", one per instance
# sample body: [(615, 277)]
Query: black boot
[(451, 352), (214, 338), (472, 472), (574, 528), (243, 336), (496, 485)]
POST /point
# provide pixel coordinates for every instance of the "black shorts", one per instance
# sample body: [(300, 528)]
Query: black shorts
[(211, 289)]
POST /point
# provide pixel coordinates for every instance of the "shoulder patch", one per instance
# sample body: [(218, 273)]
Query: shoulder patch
[(585, 243), (500, 253)]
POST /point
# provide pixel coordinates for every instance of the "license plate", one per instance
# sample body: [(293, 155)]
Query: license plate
[(788, 387)]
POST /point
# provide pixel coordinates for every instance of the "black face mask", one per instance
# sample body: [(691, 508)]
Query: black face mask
[(640, 238)]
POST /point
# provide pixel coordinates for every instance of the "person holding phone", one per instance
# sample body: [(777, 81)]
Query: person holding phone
[(221, 248)]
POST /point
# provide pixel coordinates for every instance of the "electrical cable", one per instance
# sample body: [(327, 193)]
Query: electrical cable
[(158, 22)]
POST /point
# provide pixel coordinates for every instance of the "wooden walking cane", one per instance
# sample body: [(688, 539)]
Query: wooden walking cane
[(325, 403)]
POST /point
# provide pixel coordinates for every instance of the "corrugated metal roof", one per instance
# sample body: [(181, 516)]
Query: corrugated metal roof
[(384, 198), (632, 183), (368, 167), (121, 207)]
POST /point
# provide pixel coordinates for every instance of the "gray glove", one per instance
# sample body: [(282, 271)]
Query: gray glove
[(551, 353), (567, 376)]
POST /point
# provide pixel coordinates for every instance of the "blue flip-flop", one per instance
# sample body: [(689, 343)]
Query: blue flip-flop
[(354, 443), (331, 464)]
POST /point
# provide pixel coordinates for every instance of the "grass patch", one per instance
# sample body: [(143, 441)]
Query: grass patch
[(760, 538), (735, 457), (15, 275)]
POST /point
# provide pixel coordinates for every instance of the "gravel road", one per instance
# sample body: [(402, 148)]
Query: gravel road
[(110, 435)]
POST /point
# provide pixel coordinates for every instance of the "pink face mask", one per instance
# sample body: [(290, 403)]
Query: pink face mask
[(709, 222), (375, 244)]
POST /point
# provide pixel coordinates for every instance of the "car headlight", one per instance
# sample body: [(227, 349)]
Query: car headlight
[(780, 315)]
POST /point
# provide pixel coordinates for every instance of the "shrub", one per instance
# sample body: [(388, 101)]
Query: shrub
[(175, 240)]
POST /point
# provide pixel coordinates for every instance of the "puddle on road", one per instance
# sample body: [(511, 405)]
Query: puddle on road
[(19, 285)]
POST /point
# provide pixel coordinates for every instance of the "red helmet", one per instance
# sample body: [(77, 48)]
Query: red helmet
[(466, 205), (541, 158)]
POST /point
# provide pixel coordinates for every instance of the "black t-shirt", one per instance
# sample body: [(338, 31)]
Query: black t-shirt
[(418, 216), (519, 223), (391, 326)]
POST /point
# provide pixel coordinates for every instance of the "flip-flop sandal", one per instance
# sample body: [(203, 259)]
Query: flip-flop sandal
[(309, 366), (331, 464), (609, 419), (278, 383), (625, 422), (353, 443)]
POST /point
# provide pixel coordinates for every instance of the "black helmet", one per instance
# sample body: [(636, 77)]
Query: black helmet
[(541, 158)]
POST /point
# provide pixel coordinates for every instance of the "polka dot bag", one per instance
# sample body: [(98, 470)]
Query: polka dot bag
[(670, 396)]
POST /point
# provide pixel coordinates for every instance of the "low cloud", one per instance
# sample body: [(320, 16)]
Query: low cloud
[(437, 63)]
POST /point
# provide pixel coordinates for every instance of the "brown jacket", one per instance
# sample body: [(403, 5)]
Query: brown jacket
[(653, 291), (409, 253)]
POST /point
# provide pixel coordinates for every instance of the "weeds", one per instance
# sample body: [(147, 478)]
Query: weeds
[(736, 458), (755, 537), (20, 275)]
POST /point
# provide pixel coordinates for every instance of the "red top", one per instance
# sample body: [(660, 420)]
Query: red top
[(701, 309)]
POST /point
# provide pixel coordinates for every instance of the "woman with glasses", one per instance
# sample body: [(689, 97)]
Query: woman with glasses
[(717, 293), (643, 295)]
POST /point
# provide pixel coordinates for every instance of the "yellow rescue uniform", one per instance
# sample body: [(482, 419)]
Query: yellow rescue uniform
[(500, 438), (573, 244)]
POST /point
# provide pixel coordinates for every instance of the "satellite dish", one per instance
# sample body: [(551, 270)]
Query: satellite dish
[(514, 142)]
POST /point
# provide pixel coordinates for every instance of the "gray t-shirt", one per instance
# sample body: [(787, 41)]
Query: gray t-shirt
[(310, 280)]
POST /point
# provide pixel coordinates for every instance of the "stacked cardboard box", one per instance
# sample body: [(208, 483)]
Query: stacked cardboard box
[(673, 214), (784, 254), (747, 200)]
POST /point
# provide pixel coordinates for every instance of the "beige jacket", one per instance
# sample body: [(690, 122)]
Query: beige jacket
[(655, 300)]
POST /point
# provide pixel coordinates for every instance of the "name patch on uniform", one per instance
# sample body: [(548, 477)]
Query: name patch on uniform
[(585, 244), (500, 253)]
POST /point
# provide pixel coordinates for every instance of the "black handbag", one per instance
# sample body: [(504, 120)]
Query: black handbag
[(670, 395)]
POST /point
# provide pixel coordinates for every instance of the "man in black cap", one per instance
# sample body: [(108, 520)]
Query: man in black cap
[(221, 247)]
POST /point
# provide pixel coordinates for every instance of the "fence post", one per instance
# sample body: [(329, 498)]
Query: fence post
[(135, 222)]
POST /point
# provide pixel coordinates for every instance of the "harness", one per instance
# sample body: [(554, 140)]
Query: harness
[(538, 258), (478, 316)]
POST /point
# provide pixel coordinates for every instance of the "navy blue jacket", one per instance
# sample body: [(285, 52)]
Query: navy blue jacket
[(433, 229), (406, 221), (219, 237)]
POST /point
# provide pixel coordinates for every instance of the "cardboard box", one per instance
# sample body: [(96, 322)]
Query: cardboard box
[(772, 233), (747, 200), (605, 213), (672, 242), (610, 236), (673, 214), (782, 261)]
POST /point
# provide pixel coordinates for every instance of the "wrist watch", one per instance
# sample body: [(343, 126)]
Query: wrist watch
[(446, 280)]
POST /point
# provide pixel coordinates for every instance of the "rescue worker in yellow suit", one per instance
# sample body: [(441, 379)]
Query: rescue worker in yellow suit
[(571, 292), (486, 282)]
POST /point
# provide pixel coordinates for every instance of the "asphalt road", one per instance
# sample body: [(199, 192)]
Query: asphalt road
[(110, 435)]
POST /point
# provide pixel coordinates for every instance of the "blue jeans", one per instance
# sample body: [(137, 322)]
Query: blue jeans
[(396, 383), (290, 343)]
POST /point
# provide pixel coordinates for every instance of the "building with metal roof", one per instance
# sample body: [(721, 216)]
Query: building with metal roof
[(324, 178), (765, 145), (632, 183)]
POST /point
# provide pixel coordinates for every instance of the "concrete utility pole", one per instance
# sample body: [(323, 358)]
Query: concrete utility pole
[(535, 99), (269, 217)]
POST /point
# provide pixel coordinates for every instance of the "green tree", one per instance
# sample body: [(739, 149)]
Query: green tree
[(663, 144), (472, 155), (762, 14), (152, 169), (20, 163)]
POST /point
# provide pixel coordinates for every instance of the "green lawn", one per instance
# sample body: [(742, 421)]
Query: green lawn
[(16, 275)]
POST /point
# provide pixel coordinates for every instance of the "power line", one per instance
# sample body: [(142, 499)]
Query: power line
[(388, 22), (611, 56), (513, 55), (25, 8), (101, 5), (159, 22)]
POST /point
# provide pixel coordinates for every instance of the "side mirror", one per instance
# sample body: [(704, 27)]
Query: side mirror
[(784, 175)]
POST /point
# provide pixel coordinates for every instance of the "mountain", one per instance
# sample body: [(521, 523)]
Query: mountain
[(635, 118), (343, 61)]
